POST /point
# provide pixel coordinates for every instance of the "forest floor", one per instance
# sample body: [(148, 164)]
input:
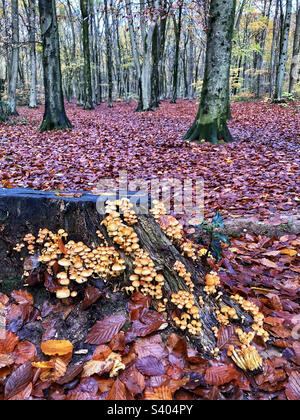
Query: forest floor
[(256, 177)]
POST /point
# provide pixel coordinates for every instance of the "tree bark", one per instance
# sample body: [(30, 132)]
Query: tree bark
[(135, 53), (273, 55), (55, 117), (158, 49), (191, 59), (262, 42), (30, 9), (14, 66), (88, 91), (177, 29), (283, 54), (78, 217), (211, 121), (295, 66), (109, 60)]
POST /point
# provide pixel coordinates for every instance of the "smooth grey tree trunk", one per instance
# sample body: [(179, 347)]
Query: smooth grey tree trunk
[(273, 55), (146, 68), (88, 91), (118, 56), (295, 66), (262, 43), (31, 17), (177, 29), (191, 60), (109, 60), (14, 65), (214, 110), (55, 117), (283, 55), (135, 52)]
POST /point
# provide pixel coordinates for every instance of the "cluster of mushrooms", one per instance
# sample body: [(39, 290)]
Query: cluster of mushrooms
[(225, 315), (170, 226), (247, 358), (258, 317), (174, 231), (212, 281), (188, 320), (73, 263), (145, 277), (129, 215), (182, 272), (123, 235)]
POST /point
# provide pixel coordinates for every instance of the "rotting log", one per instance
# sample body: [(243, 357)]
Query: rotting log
[(26, 211), (286, 225)]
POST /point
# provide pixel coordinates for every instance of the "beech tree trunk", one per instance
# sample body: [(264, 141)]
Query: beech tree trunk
[(191, 59), (273, 55), (118, 56), (14, 65), (88, 91), (295, 66), (262, 43), (214, 110), (283, 53), (135, 53), (55, 117), (109, 60), (31, 17), (177, 29), (24, 211), (158, 49)]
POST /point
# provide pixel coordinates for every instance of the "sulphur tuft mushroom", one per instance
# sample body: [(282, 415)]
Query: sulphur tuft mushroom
[(63, 293), (247, 358)]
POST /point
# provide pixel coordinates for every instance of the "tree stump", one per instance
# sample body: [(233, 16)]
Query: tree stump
[(26, 211)]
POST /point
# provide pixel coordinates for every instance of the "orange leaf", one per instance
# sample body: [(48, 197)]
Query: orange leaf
[(161, 393), (57, 347), (43, 365), (290, 252), (61, 246)]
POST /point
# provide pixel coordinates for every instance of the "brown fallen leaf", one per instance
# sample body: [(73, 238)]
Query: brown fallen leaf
[(18, 380), (268, 263), (103, 331)]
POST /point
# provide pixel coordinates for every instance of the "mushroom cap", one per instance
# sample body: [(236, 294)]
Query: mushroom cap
[(117, 267), (86, 273), (64, 262), (63, 293), (62, 275)]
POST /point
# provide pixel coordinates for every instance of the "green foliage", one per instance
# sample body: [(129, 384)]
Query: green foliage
[(288, 96), (211, 236)]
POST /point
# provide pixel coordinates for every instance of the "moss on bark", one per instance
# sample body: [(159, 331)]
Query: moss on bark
[(211, 132), (214, 110)]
